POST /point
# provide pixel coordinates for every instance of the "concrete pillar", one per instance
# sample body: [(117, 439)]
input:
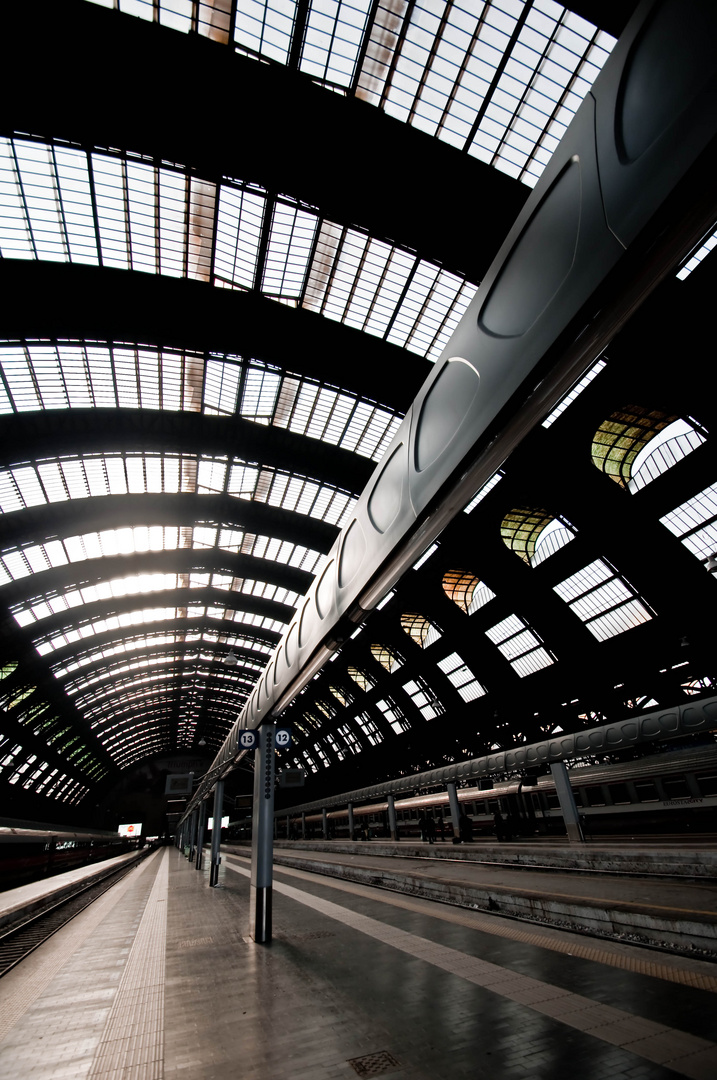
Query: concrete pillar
[(325, 823), (351, 821), (217, 833), (194, 821), (303, 825), (392, 818), (201, 819), (567, 803), (262, 846), (454, 808)]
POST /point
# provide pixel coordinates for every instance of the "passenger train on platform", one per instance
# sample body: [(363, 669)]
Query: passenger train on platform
[(670, 794), (29, 855)]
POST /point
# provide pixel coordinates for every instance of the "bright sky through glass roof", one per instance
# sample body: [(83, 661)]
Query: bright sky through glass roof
[(62, 204), (500, 80)]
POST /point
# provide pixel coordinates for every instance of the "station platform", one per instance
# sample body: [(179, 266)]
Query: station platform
[(664, 895), (159, 979)]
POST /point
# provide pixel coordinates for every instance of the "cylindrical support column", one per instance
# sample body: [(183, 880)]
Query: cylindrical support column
[(216, 833), (202, 817), (392, 817), (567, 803), (455, 808), (303, 825), (288, 827), (262, 838), (351, 821), (194, 821), (325, 823)]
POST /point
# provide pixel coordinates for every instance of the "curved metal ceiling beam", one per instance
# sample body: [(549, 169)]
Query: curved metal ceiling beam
[(181, 561), (101, 303), (31, 435), (180, 598), (60, 520)]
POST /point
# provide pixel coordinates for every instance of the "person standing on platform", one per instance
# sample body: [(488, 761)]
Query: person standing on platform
[(430, 829)]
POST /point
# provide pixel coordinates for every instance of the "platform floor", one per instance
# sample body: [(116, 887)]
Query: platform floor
[(158, 979)]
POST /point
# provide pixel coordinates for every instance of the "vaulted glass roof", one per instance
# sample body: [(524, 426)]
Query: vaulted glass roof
[(169, 490)]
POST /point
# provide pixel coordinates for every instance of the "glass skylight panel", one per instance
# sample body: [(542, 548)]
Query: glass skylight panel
[(602, 600), (289, 251), (393, 716), (431, 309), (332, 39), (461, 676), (483, 491), (239, 224), (259, 397), (669, 446), (695, 523), (265, 27), (519, 645), (574, 393), (424, 699), (482, 595), (549, 71), (71, 375), (694, 261)]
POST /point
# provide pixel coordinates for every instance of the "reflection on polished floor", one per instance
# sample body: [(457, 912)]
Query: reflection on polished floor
[(159, 979)]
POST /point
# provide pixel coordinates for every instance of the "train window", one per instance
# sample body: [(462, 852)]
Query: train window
[(646, 791), (553, 802), (595, 796), (707, 783), (676, 787), (619, 794)]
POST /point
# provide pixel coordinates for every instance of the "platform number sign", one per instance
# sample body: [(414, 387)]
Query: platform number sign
[(248, 740), (282, 738)]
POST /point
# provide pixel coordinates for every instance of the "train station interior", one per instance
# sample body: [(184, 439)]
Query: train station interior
[(236, 237)]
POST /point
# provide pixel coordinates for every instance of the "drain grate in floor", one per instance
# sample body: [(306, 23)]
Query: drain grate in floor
[(374, 1064)]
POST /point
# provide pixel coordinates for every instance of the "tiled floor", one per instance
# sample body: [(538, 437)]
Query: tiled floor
[(355, 983)]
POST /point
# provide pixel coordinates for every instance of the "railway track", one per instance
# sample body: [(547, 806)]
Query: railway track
[(19, 940)]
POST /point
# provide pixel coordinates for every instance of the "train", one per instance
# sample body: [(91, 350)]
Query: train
[(28, 855), (673, 793)]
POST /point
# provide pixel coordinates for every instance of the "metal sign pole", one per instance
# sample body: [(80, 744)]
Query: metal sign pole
[(262, 837), (216, 832)]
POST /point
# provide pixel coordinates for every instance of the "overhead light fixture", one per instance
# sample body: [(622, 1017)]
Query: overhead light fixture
[(711, 564), (231, 658), (202, 741)]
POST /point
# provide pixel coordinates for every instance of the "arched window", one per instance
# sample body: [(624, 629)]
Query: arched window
[(360, 679), (620, 445), (535, 534), (341, 695), (7, 669), (465, 589), (388, 658), (420, 629)]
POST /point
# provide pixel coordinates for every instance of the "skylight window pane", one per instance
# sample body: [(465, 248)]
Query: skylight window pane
[(694, 261), (695, 523), (37, 179), (265, 28), (574, 393), (602, 600), (73, 181), (108, 179), (332, 40), (239, 225), (15, 236), (261, 388), (289, 251)]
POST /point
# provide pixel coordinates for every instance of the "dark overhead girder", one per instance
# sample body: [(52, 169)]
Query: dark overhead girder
[(28, 436), (255, 605), (103, 304), (37, 523), (181, 561), (256, 122)]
